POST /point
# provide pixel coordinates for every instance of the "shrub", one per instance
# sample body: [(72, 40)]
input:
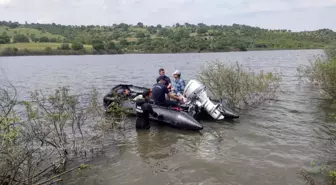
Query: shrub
[(65, 46), (44, 39), (10, 153), (20, 38), (4, 39), (30, 142), (48, 50), (77, 46), (329, 174), (239, 86), (322, 73), (10, 51)]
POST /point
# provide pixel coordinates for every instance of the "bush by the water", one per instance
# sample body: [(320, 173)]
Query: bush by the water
[(322, 73), (53, 130), (238, 85)]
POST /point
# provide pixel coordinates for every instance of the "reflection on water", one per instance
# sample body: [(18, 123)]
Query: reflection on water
[(266, 145)]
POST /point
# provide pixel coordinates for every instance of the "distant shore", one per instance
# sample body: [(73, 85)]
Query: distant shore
[(31, 39), (13, 51)]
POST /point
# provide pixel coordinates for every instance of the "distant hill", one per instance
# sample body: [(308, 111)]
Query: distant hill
[(140, 38), (31, 33)]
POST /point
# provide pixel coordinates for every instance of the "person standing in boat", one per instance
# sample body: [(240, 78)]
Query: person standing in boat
[(159, 90), (143, 109), (178, 83)]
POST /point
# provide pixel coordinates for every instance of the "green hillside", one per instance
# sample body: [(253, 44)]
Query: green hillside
[(30, 32), (124, 38)]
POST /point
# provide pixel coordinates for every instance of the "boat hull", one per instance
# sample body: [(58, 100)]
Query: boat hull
[(173, 118)]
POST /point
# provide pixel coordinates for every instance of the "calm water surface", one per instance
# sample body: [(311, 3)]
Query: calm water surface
[(267, 145)]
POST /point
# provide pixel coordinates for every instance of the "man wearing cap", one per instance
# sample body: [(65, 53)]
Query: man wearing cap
[(159, 90), (143, 109), (178, 83)]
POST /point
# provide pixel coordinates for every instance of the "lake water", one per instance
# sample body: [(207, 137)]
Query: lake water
[(266, 145)]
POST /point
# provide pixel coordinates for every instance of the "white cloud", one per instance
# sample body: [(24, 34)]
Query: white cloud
[(4, 2), (285, 14)]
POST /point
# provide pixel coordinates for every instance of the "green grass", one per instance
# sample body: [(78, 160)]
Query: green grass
[(32, 46), (28, 31)]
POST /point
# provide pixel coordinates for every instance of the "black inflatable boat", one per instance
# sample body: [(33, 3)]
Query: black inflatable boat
[(172, 116), (198, 107)]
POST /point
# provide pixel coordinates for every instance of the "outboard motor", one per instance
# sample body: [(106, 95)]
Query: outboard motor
[(197, 96)]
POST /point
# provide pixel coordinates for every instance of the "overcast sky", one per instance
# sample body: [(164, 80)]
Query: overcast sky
[(297, 15)]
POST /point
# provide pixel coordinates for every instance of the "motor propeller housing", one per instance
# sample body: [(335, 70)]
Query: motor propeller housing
[(196, 94)]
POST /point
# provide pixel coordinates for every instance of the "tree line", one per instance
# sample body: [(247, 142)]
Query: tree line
[(140, 38)]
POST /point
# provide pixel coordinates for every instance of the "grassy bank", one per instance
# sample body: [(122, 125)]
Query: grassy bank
[(32, 46), (34, 49), (28, 49)]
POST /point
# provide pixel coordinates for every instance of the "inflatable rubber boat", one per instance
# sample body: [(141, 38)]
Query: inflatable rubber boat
[(185, 116)]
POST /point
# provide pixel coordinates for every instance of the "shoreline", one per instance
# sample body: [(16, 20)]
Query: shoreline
[(85, 52)]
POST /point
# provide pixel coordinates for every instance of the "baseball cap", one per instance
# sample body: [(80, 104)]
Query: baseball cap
[(176, 72)]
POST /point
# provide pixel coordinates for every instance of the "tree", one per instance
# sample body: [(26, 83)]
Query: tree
[(140, 34), (152, 30), (4, 38), (140, 24), (20, 38), (53, 39), (48, 50), (202, 30), (164, 32), (111, 45), (116, 35), (44, 39), (77, 46), (98, 45), (123, 42), (65, 46)]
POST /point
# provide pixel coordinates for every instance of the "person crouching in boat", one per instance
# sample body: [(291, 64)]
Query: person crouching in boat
[(159, 90), (116, 97), (123, 93), (143, 109)]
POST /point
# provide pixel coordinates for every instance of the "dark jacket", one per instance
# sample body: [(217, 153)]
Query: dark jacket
[(143, 109)]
